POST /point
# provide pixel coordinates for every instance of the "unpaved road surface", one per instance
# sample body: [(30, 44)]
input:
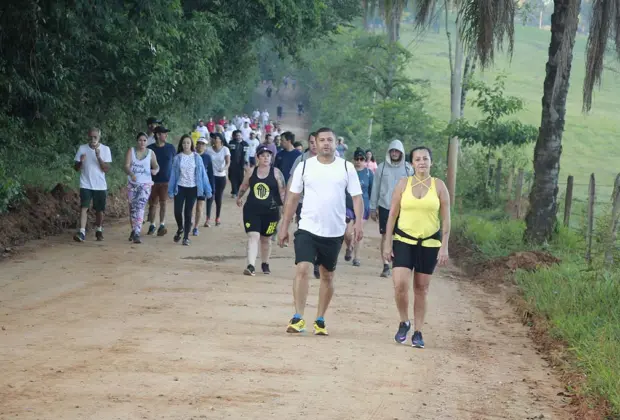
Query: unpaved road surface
[(160, 331)]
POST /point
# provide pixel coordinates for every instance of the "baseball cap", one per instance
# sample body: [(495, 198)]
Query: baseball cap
[(202, 140), (152, 120), (359, 153), (161, 129), (261, 149)]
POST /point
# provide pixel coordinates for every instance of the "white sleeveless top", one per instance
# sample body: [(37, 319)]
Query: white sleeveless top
[(141, 168)]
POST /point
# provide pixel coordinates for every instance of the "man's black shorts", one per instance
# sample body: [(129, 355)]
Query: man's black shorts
[(265, 224), (313, 249), (97, 197), (383, 217)]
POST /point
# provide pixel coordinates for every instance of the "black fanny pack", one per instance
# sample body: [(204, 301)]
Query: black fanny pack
[(398, 231)]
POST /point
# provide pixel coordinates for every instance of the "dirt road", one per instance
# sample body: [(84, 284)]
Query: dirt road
[(160, 331)]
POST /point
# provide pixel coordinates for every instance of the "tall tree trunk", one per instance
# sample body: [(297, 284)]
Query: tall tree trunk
[(541, 217), (365, 12), (372, 10), (468, 72)]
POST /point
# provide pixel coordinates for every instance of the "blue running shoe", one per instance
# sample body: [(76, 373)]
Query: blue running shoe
[(416, 340), (403, 329)]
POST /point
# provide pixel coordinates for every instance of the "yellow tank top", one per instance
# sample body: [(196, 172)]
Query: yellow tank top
[(419, 217)]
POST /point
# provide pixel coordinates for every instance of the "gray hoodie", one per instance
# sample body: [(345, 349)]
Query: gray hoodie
[(387, 176)]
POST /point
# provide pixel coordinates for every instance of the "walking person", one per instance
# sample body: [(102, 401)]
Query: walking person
[(261, 211), (92, 160), (201, 149), (140, 166), (324, 179), (420, 240), (188, 181), (371, 163), (165, 153), (366, 179), (389, 172), (220, 157), (238, 162)]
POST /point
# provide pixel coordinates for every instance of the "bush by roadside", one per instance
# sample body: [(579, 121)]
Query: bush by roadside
[(575, 310)]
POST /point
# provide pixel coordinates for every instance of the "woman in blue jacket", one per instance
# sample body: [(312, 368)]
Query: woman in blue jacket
[(188, 181)]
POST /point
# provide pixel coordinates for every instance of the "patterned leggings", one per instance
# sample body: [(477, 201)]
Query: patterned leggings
[(138, 198)]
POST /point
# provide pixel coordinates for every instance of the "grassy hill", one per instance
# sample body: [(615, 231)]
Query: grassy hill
[(590, 141)]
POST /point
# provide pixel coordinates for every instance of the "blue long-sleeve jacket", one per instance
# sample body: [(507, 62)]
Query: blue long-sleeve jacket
[(202, 180)]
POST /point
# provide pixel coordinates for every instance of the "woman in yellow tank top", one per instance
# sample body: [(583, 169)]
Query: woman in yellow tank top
[(419, 241)]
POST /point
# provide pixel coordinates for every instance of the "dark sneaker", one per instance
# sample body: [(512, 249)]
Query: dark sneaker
[(416, 340), (250, 270), (131, 235), (386, 272), (195, 232), (356, 262), (151, 230), (79, 237), (162, 231), (317, 272), (401, 335), (99, 235), (347, 254), (265, 268), (186, 242), (217, 222), (177, 236), (136, 239)]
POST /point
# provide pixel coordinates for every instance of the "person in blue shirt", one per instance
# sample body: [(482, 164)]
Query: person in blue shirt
[(285, 159), (201, 149), (366, 178), (188, 181), (165, 153)]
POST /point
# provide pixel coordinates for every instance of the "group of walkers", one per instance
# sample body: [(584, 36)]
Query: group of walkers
[(326, 196)]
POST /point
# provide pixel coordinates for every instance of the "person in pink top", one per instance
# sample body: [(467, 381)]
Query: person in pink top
[(371, 163)]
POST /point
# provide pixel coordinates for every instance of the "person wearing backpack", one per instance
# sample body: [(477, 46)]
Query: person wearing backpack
[(324, 179)]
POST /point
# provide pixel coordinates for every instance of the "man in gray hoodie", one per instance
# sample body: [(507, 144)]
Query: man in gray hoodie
[(387, 175)]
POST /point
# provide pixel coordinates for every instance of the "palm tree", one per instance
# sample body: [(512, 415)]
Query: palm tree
[(486, 24)]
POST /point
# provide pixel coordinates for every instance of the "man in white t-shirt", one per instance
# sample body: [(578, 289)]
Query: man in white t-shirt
[(202, 129), (151, 124), (92, 160), (253, 143), (323, 180)]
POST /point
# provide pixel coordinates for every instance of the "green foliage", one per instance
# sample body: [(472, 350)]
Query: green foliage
[(67, 66), (11, 191), (492, 132)]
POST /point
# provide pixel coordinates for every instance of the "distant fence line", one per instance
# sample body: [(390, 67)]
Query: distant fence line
[(517, 191)]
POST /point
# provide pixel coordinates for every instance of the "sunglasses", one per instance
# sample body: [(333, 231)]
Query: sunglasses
[(360, 158)]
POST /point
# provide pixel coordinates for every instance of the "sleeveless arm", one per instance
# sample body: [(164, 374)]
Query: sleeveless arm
[(281, 184), (154, 164), (245, 184), (127, 166), (444, 210)]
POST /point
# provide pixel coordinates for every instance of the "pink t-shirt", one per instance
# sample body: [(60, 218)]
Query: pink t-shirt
[(372, 166)]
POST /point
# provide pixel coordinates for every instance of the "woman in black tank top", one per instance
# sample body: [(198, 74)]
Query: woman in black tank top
[(261, 211)]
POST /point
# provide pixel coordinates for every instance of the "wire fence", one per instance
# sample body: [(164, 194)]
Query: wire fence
[(594, 212)]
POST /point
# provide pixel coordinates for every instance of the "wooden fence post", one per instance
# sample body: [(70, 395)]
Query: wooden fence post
[(511, 176), (568, 200), (616, 188), (590, 221), (498, 179), (519, 193), (615, 213)]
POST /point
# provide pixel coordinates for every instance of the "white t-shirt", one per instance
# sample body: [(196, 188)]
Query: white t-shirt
[(218, 160), (324, 210), (188, 171), (245, 133), (91, 175), (204, 131), (252, 145)]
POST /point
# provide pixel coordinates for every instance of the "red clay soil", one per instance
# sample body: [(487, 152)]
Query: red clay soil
[(45, 213)]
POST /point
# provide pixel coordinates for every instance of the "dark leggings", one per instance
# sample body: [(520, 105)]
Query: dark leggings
[(185, 196), (220, 184)]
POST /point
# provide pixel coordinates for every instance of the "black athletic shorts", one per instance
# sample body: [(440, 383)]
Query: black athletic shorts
[(420, 259), (265, 224), (97, 197), (383, 216), (318, 250)]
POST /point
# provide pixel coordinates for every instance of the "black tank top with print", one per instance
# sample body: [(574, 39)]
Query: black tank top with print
[(264, 196)]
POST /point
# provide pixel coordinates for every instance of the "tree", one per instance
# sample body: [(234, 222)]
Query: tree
[(485, 25)]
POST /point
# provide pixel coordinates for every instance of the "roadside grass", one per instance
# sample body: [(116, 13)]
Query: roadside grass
[(581, 303), (590, 141)]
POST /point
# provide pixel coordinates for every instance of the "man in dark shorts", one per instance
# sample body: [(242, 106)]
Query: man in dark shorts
[(261, 212), (165, 153), (324, 179), (92, 160)]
